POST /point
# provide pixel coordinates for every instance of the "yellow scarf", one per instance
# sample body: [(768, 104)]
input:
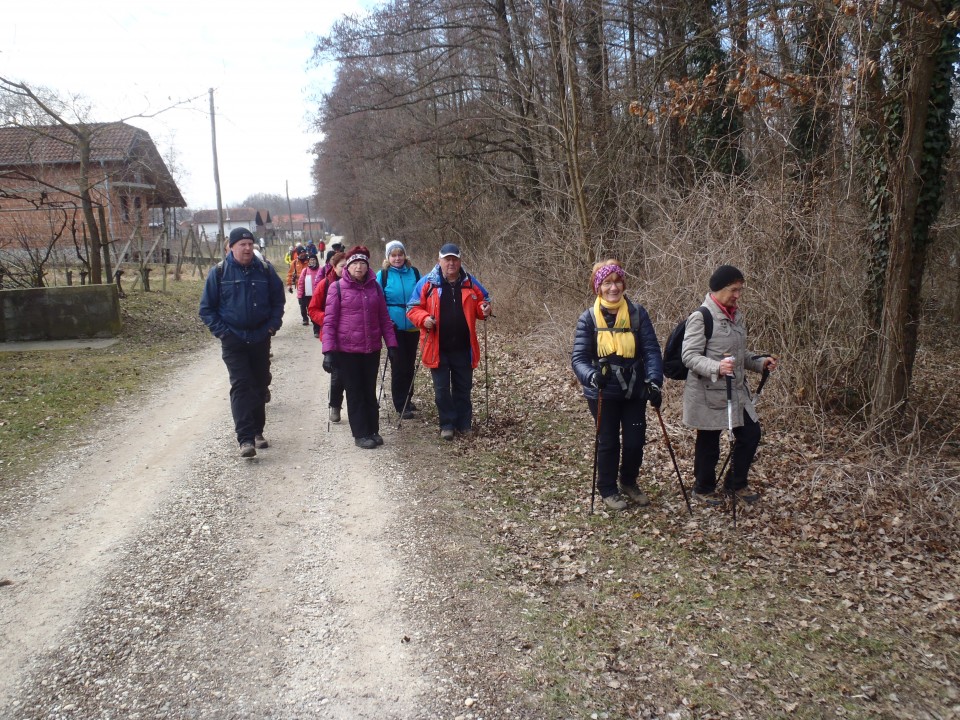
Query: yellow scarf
[(614, 343)]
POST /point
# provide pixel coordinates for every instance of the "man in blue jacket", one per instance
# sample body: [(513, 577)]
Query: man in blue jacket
[(242, 304)]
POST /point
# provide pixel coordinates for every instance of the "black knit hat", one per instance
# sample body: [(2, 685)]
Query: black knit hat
[(723, 276), (238, 234)]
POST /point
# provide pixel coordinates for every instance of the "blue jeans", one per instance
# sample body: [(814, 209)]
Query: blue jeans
[(452, 384)]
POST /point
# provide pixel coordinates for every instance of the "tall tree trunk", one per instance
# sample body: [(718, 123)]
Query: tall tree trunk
[(922, 42)]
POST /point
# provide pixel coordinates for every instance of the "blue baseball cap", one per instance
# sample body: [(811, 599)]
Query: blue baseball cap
[(449, 250)]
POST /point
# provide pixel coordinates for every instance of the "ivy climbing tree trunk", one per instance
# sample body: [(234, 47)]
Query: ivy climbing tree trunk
[(914, 184)]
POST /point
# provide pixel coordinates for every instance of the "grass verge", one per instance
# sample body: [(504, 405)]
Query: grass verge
[(48, 394)]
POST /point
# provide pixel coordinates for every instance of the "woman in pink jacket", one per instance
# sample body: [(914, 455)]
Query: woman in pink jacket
[(355, 325)]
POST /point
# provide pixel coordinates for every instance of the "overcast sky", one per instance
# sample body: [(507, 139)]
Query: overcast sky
[(138, 58)]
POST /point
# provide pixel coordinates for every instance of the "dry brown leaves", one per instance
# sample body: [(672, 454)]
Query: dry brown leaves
[(831, 597)]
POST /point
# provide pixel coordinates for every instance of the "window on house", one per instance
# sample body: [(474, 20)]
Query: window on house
[(138, 205), (125, 208)]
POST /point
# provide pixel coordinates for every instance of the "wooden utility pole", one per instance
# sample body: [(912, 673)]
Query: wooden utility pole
[(216, 166), (289, 211)]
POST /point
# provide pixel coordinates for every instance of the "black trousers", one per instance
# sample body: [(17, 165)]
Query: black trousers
[(249, 367), (358, 371), (452, 385), (707, 455), (623, 426), (303, 302), (402, 368)]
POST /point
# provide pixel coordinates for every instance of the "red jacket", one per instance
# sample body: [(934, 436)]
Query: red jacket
[(318, 303), (428, 305)]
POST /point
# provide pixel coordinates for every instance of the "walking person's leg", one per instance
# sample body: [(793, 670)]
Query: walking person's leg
[(305, 319), (461, 382), (336, 394), (401, 368), (260, 366), (745, 449), (352, 376), (633, 437), (608, 444), (370, 410), (246, 393), (446, 413), (706, 454)]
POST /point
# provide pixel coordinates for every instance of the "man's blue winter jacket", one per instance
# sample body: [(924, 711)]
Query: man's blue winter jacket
[(246, 301)]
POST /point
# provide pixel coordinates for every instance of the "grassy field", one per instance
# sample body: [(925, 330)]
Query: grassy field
[(48, 395)]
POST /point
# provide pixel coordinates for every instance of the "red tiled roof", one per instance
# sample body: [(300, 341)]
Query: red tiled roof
[(116, 143)]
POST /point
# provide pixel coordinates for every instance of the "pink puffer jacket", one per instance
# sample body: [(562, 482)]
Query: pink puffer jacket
[(356, 318)]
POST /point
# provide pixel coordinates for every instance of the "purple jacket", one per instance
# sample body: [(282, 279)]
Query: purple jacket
[(356, 317)]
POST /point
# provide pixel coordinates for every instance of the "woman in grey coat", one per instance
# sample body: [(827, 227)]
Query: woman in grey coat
[(710, 361)]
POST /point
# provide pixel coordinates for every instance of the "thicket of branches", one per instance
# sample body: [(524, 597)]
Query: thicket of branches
[(808, 143)]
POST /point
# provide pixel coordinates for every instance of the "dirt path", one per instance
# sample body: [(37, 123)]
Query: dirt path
[(156, 573)]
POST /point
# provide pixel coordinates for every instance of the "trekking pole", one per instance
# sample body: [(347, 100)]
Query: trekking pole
[(329, 398), (486, 374), (406, 401), (383, 375), (596, 448), (733, 441), (763, 381), (673, 457)]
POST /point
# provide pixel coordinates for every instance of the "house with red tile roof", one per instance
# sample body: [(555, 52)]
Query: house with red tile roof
[(41, 177)]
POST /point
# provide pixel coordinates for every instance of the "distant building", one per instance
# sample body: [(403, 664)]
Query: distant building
[(206, 224)]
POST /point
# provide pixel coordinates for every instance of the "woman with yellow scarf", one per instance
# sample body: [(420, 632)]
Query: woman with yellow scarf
[(616, 357)]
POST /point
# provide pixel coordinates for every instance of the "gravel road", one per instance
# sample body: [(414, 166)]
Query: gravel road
[(155, 573)]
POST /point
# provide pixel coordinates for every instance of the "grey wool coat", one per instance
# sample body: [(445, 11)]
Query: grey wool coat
[(705, 392)]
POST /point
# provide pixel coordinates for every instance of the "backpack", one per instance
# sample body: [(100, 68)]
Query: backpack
[(673, 366)]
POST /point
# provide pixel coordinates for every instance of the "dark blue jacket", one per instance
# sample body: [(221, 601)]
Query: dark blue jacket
[(246, 301), (648, 363)]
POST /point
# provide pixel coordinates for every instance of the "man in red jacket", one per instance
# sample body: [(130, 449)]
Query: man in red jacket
[(451, 300)]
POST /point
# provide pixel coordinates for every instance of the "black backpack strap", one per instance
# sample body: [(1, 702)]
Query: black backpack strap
[(707, 321), (383, 277)]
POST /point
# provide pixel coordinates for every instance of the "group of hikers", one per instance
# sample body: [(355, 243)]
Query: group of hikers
[(356, 312), (618, 361)]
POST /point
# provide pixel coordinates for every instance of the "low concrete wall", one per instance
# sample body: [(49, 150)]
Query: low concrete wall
[(59, 313)]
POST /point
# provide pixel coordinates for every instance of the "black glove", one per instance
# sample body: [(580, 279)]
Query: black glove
[(600, 377), (290, 288), (328, 363), (392, 353), (654, 395)]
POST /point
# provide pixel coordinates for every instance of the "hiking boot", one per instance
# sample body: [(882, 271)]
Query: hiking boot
[(411, 406), (367, 443), (710, 499), (446, 434), (615, 502), (334, 414), (377, 439), (260, 442), (747, 495), (247, 450), (407, 414), (305, 323), (635, 494)]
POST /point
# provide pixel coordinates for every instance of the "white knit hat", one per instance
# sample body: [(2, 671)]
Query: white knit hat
[(394, 245)]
